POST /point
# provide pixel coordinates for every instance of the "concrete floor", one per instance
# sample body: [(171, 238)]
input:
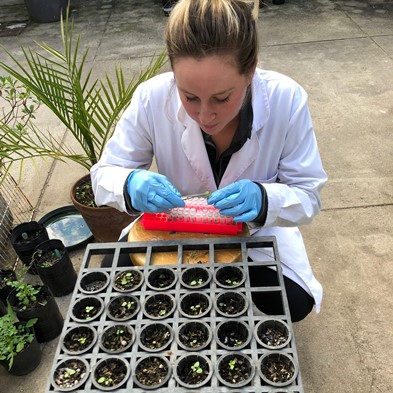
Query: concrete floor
[(342, 54)]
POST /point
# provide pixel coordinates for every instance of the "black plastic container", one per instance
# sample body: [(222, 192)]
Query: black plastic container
[(5, 276), (60, 277)]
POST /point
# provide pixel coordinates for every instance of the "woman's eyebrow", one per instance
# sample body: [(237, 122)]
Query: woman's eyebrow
[(215, 94)]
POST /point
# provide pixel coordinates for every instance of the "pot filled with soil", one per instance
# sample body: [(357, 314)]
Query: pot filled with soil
[(152, 372), (159, 306), (194, 335), (128, 280), (229, 276), (277, 369), (24, 238), (193, 370), (53, 264), (231, 304), (87, 309), (78, 340), (272, 333), (195, 277), (94, 282), (195, 305), (161, 279), (5, 289), (235, 369), (70, 374), (117, 338), (110, 373), (122, 307), (155, 337), (233, 335)]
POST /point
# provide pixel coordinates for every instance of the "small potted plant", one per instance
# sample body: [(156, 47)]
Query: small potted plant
[(193, 370), (122, 307), (87, 309), (159, 306), (195, 277), (128, 280), (195, 305), (272, 333), (152, 371), (78, 340), (36, 301), (277, 369), (233, 335), (155, 337), (54, 266), (6, 275), (229, 276), (110, 373), (70, 374), (20, 352), (194, 335), (235, 369), (117, 338), (94, 282), (231, 304), (161, 279)]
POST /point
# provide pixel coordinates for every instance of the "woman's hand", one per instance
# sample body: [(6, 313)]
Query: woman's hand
[(151, 192), (241, 200)]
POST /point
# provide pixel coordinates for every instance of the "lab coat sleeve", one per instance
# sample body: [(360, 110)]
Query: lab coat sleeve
[(294, 199), (128, 149)]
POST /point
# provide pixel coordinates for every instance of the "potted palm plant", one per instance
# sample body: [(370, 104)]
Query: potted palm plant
[(89, 109)]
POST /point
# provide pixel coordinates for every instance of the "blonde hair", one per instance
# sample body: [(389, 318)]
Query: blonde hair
[(200, 28)]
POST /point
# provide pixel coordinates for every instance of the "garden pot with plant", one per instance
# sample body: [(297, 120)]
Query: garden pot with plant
[(229, 276), (233, 335), (195, 305), (152, 372), (128, 280), (117, 338), (161, 279), (231, 304), (20, 352), (235, 369), (277, 369), (70, 374), (194, 335), (195, 277), (122, 307), (272, 333), (87, 309), (6, 275), (155, 337), (94, 282), (36, 301), (193, 370), (110, 373), (159, 306), (53, 264), (24, 238), (78, 340), (88, 108)]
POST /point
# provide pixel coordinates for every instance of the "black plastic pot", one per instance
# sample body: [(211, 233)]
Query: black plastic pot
[(199, 364), (195, 305), (277, 361), (195, 277), (116, 364), (60, 277), (229, 276), (152, 366), (159, 306), (35, 233), (239, 366), (44, 11), (94, 282), (161, 279), (128, 280), (155, 337), (87, 309), (233, 335), (272, 333), (127, 306), (194, 335), (117, 332), (5, 276), (231, 304), (25, 361), (68, 369), (50, 321), (78, 340)]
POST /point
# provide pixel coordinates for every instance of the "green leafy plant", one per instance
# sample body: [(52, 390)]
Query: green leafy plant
[(196, 368), (25, 293), (14, 337), (232, 363), (62, 81)]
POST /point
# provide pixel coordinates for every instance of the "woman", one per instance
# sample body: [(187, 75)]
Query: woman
[(218, 123)]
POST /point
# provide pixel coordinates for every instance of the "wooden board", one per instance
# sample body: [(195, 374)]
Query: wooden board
[(139, 234)]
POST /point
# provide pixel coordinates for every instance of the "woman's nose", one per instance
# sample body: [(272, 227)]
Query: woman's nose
[(206, 114)]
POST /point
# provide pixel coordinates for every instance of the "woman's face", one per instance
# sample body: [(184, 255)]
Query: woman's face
[(211, 89)]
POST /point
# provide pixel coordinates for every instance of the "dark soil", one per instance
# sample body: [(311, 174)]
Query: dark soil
[(28, 236), (195, 277), (84, 193), (151, 371), (272, 337), (110, 373), (155, 336), (79, 339), (47, 259), (194, 305), (87, 312), (70, 374), (231, 335), (194, 372), (116, 338), (158, 306), (235, 369), (231, 304), (93, 286), (229, 276), (127, 280), (277, 371), (161, 278), (123, 307), (193, 335)]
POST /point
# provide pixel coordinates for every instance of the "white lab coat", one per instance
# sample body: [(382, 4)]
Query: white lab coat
[(281, 154)]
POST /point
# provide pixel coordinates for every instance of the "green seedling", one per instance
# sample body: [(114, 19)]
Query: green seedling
[(196, 368), (128, 304), (82, 340), (69, 372), (105, 381), (197, 282), (232, 363)]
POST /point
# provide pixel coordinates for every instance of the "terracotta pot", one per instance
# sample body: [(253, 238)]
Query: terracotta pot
[(105, 223)]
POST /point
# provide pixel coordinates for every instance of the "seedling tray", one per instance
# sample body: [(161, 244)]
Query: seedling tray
[(213, 318)]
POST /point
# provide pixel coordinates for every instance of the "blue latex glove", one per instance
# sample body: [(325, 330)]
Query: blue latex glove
[(152, 193), (241, 200)]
